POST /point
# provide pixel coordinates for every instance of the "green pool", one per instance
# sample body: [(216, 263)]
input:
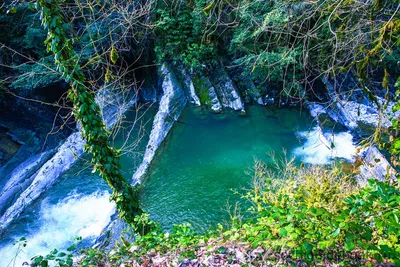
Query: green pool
[(207, 156)]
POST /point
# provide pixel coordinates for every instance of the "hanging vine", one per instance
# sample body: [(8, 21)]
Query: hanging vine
[(86, 111)]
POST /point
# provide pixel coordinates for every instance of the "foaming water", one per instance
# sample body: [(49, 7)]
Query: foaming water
[(322, 148), (77, 204), (74, 216)]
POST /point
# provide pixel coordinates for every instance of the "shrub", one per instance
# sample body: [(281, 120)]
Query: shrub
[(321, 215)]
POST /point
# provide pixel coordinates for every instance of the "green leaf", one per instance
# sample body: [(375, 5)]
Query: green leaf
[(349, 245), (38, 259), (294, 236), (283, 232), (336, 232), (114, 55), (71, 248), (69, 262)]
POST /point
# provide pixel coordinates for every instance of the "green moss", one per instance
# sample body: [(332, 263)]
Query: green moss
[(202, 91)]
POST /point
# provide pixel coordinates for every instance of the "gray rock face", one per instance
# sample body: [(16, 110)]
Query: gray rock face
[(350, 113), (226, 90), (252, 91), (148, 94), (171, 106), (212, 94), (187, 80), (64, 158), (45, 177), (316, 109), (369, 114), (343, 116), (113, 106), (374, 166), (20, 178)]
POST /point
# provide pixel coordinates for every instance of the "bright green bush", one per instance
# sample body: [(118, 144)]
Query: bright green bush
[(316, 215)]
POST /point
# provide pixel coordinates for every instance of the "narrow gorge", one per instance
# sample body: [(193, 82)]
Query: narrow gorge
[(229, 133), (235, 135)]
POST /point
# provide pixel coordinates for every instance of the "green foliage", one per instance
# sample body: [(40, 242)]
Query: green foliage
[(150, 239), (62, 259), (324, 219), (104, 157), (181, 237), (179, 40), (388, 34), (265, 56), (313, 214), (276, 67), (55, 257)]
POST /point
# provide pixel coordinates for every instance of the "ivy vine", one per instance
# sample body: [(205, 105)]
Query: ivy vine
[(87, 112)]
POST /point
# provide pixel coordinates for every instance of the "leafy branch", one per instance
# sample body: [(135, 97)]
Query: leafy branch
[(86, 111)]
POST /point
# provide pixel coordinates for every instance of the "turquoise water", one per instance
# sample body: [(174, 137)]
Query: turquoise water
[(206, 156), (203, 159)]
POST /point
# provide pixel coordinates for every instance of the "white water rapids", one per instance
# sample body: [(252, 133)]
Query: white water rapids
[(74, 216)]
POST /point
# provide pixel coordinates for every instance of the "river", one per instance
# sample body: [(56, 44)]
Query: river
[(205, 159)]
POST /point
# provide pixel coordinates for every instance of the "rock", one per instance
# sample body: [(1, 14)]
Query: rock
[(148, 94), (113, 105), (374, 165), (316, 110), (354, 116), (215, 104), (21, 177), (226, 89), (268, 100), (351, 113), (187, 80), (252, 93), (172, 103), (45, 177), (206, 92), (171, 106)]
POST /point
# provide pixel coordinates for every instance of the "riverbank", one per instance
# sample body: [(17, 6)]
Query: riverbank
[(307, 216)]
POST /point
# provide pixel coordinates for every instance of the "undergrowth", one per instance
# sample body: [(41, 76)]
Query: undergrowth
[(300, 216)]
